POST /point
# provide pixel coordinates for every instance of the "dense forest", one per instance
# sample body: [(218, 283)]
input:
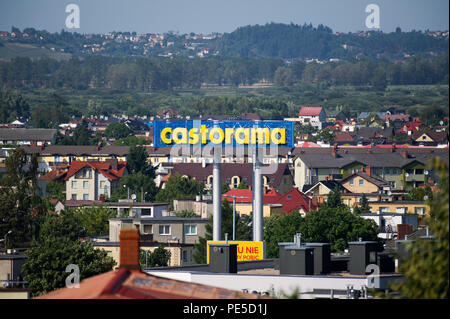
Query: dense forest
[(155, 73), (295, 41)]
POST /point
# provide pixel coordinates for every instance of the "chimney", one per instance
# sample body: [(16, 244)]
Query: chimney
[(129, 249), (404, 154), (393, 148), (331, 177), (99, 145), (333, 153), (113, 162)]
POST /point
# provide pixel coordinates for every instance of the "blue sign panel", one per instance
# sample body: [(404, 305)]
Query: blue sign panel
[(224, 133)]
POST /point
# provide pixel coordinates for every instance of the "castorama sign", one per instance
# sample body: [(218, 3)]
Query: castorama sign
[(224, 133)]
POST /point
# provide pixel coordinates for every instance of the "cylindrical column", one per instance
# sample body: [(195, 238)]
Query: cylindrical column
[(258, 200), (217, 192)]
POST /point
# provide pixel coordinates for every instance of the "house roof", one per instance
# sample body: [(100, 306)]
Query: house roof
[(54, 175), (243, 170), (269, 198), (343, 137), (330, 184), (371, 179), (372, 157), (294, 200), (106, 168), (26, 134), (310, 111), (435, 136)]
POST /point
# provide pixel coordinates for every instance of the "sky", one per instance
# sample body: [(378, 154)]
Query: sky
[(207, 16)]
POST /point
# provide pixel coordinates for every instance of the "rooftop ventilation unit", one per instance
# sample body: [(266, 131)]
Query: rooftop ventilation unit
[(223, 258)]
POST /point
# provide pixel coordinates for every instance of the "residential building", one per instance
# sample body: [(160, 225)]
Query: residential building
[(24, 136), (161, 229), (313, 115), (93, 180), (402, 167), (278, 176)]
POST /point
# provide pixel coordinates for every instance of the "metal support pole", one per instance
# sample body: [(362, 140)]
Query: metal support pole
[(258, 233), (234, 217), (217, 192)]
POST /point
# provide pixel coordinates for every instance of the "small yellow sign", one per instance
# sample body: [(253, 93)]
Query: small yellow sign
[(246, 250)]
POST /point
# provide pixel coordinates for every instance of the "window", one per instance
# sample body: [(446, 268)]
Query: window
[(185, 255), (85, 196), (419, 210), (164, 229), (102, 184), (85, 184), (419, 171), (74, 196), (148, 229), (190, 229), (351, 182), (289, 196), (74, 184), (384, 209), (361, 182)]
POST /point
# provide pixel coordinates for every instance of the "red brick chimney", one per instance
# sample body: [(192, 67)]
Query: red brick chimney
[(129, 249), (404, 154)]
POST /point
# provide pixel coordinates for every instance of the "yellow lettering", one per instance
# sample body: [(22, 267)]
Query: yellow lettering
[(183, 132), (228, 133), (204, 132), (212, 135), (238, 137), (193, 134), (281, 139), (261, 134), (164, 133)]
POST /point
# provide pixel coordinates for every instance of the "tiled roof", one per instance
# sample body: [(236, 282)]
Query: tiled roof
[(105, 168), (27, 134), (134, 284), (243, 170), (310, 111), (372, 179), (373, 156)]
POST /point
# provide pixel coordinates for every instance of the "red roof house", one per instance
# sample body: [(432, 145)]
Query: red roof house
[(310, 111)]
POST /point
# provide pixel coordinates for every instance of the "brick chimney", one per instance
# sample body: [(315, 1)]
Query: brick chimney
[(129, 249), (404, 154), (393, 148), (99, 145)]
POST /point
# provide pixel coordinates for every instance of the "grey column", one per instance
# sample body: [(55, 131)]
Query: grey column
[(217, 193), (258, 222)]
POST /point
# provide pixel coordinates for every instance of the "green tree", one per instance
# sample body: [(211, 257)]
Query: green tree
[(179, 187), (95, 219), (117, 130), (337, 226), (427, 268), (45, 267), (243, 185), (158, 258), (364, 206), (137, 161), (280, 228), (55, 190), (243, 231), (141, 185), (21, 203), (418, 194), (334, 199)]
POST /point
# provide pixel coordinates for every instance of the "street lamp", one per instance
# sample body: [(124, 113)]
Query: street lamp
[(234, 212), (4, 237)]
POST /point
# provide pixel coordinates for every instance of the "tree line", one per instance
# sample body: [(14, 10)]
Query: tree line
[(147, 74)]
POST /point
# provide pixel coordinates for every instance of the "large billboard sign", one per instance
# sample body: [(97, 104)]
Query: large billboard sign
[(246, 250), (223, 133)]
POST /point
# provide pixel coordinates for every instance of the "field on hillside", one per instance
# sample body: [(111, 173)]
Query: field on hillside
[(10, 50)]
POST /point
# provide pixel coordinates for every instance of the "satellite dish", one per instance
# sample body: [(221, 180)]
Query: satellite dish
[(133, 196)]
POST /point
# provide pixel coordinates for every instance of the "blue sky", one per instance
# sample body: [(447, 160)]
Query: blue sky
[(206, 16)]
